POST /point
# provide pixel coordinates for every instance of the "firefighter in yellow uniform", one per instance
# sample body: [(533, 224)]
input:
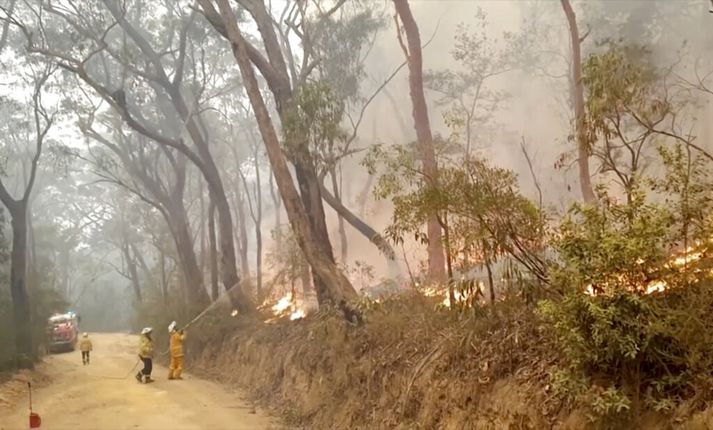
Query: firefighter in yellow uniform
[(85, 345), (177, 339), (146, 355)]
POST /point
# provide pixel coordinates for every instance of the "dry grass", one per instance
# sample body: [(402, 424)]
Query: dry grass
[(409, 366)]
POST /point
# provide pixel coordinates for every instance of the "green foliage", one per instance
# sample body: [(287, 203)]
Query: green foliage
[(343, 44), (629, 106), (314, 122), (627, 345), (465, 90), (483, 214), (686, 190), (613, 245)]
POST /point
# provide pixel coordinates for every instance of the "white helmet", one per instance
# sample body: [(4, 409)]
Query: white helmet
[(146, 330), (85, 334), (172, 326)]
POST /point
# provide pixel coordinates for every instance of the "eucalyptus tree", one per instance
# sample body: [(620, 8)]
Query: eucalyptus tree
[(157, 176), (413, 54), (25, 122), (305, 212), (149, 63), (287, 68)]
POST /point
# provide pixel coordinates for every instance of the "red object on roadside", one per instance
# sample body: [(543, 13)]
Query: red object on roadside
[(35, 420)]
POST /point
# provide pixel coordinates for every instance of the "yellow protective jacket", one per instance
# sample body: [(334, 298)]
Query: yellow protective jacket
[(145, 347), (177, 344), (85, 345)]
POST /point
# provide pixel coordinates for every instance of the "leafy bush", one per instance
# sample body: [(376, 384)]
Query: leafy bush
[(633, 326)]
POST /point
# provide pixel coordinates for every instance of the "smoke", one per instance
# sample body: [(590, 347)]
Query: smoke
[(537, 109)]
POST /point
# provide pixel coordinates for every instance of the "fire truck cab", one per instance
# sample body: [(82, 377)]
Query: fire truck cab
[(63, 331)]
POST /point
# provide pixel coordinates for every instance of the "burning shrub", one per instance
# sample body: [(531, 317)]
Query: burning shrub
[(484, 217), (626, 345)]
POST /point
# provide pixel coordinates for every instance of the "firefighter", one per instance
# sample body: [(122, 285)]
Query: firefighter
[(85, 345), (177, 338), (146, 355)]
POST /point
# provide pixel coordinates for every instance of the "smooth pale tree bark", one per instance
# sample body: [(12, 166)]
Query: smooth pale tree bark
[(200, 154), (274, 70), (202, 233), (179, 225), (256, 215), (363, 196), (306, 281), (422, 125), (133, 274), (335, 286), (374, 237), (577, 92), (18, 282), (166, 196), (344, 247), (213, 250), (242, 228), (18, 209), (277, 204), (164, 278)]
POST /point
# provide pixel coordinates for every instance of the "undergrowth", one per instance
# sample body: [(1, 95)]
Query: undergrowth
[(410, 364)]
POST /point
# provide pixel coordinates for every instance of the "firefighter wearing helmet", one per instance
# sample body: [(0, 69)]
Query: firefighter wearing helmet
[(176, 348), (146, 355), (85, 345)]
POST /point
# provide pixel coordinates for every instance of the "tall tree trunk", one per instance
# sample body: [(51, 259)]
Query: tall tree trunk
[(65, 259), (436, 257), (229, 270), (133, 273), (312, 200), (205, 260), (275, 73), (334, 286), (306, 281), (203, 160), (257, 215), (344, 247), (491, 284), (32, 247), (142, 262), (243, 246), (213, 250), (164, 279), (366, 230), (363, 196), (277, 204), (577, 92), (18, 287), (180, 230)]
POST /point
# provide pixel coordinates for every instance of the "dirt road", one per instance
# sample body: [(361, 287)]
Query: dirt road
[(80, 398)]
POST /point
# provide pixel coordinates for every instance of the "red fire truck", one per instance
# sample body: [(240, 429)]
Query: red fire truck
[(63, 331)]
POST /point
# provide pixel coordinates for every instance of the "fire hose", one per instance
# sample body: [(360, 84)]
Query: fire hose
[(190, 323), (119, 377), (202, 313)]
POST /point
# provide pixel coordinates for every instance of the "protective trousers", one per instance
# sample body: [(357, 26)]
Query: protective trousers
[(175, 368)]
